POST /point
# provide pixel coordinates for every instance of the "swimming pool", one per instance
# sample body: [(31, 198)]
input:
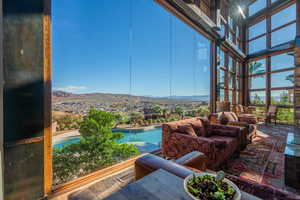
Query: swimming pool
[(144, 140)]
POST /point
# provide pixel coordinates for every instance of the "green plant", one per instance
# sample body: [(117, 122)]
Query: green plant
[(97, 148)]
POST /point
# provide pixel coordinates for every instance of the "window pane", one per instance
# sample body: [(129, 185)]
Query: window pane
[(230, 80), (284, 35), (258, 97), (257, 29), (221, 78), (257, 82), (282, 79), (230, 96), (257, 45), (285, 115), (257, 6), (221, 57), (282, 97), (282, 61), (237, 86), (257, 67), (284, 16), (220, 95), (230, 64)]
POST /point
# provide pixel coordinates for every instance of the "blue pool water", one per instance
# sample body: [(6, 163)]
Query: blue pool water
[(144, 140)]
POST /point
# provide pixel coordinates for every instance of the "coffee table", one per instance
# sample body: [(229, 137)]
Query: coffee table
[(159, 185)]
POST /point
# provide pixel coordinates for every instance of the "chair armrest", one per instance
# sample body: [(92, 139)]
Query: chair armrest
[(194, 159), (150, 163)]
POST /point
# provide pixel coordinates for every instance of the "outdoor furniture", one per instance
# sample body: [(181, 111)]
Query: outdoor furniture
[(161, 183), (272, 114), (217, 142), (240, 121), (292, 161)]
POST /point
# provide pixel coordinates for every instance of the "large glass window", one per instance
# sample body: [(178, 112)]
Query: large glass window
[(257, 45), (146, 67), (257, 6), (284, 35), (282, 61), (257, 29), (284, 16), (282, 79), (257, 67), (257, 82), (282, 97), (258, 97)]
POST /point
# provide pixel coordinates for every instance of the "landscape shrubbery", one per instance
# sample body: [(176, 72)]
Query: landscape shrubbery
[(97, 148)]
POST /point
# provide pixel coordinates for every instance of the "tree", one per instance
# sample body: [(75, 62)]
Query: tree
[(121, 118), (157, 109), (134, 117), (97, 148), (179, 110)]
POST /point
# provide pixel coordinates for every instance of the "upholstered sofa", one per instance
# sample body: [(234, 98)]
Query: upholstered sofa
[(236, 120), (217, 142), (196, 162)]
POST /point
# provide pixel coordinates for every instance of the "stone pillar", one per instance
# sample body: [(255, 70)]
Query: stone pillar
[(26, 96)]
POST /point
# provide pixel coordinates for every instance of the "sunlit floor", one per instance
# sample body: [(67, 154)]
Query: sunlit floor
[(102, 188)]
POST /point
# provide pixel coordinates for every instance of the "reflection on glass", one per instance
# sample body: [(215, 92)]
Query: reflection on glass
[(284, 35), (282, 61), (257, 67), (258, 97), (221, 96), (257, 82), (230, 80), (257, 29), (230, 96), (221, 58), (257, 6), (257, 45), (282, 97), (282, 79), (230, 64), (221, 78), (285, 16)]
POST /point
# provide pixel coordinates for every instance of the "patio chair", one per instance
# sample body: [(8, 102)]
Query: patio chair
[(271, 114)]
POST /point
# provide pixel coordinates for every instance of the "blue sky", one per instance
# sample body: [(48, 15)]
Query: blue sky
[(91, 49)]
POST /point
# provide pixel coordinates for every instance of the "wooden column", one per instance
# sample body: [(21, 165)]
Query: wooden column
[(213, 76), (27, 89), (1, 105), (297, 69)]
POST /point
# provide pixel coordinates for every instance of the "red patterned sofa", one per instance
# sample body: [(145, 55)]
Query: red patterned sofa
[(217, 142), (195, 162)]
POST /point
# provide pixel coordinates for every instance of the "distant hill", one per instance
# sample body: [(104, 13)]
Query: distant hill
[(61, 96)]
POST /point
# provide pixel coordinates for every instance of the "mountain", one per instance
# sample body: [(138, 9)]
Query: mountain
[(61, 96)]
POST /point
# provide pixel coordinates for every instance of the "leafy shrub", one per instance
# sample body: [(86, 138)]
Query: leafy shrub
[(97, 148)]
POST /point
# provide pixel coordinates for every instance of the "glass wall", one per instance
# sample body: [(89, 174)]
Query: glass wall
[(271, 79), (145, 68)]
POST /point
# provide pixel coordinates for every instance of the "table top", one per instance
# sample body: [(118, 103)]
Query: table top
[(159, 185), (293, 145)]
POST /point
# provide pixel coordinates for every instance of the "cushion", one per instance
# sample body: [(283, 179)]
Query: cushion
[(228, 116), (235, 117), (186, 129), (198, 128)]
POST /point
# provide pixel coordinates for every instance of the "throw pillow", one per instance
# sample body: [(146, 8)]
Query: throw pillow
[(235, 117), (198, 128), (186, 129)]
